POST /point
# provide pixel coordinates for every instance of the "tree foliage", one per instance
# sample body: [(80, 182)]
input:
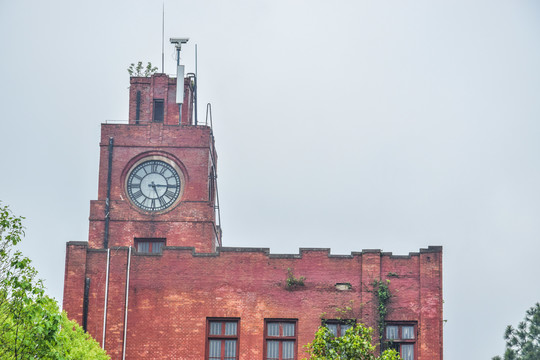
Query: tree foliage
[(523, 342), (141, 71), (355, 344), (73, 342), (31, 325)]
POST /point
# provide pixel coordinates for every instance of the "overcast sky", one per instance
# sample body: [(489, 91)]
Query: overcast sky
[(343, 124)]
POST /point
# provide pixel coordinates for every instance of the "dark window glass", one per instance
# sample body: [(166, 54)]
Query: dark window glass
[(211, 184), (158, 110)]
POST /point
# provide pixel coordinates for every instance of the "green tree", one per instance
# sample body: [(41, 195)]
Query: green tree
[(74, 343), (523, 342), (31, 325), (355, 344)]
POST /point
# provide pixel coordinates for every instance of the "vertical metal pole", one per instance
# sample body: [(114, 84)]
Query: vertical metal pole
[(108, 199), (179, 114), (106, 298), (126, 309), (163, 41), (196, 89), (180, 83), (208, 114)]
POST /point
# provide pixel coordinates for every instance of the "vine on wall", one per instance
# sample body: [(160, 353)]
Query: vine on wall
[(381, 290)]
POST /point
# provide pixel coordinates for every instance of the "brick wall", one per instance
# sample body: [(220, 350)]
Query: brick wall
[(172, 295), (159, 86)]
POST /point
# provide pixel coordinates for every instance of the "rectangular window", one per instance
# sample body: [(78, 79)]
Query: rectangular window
[(222, 337), (158, 110), (338, 327), (402, 338), (280, 339), (149, 246)]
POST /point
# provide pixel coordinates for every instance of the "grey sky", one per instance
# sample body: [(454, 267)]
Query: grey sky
[(344, 124)]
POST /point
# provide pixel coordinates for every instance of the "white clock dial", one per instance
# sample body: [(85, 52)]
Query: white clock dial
[(153, 185)]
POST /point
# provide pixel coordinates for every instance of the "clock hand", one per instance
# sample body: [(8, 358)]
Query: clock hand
[(155, 188)]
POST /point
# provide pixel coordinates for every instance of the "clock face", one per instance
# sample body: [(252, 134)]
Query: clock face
[(153, 185)]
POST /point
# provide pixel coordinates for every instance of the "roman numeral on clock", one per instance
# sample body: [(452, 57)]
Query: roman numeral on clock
[(134, 185), (162, 201), (169, 194)]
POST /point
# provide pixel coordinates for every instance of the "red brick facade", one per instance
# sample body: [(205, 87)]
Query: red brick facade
[(173, 294)]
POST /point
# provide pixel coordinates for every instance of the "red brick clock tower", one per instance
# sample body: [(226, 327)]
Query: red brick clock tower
[(156, 190)]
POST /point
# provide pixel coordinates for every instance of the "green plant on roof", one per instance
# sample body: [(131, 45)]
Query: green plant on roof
[(140, 71)]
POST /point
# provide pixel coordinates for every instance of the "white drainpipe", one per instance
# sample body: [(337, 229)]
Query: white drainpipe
[(106, 298), (127, 298)]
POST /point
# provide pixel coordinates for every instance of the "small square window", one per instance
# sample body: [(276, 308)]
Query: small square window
[(407, 351), (149, 246), (407, 332), (392, 332)]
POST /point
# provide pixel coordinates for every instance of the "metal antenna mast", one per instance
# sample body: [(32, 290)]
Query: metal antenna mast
[(179, 75), (196, 86), (163, 40)]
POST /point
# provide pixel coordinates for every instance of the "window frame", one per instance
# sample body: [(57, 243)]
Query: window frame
[(222, 337), (151, 242), (400, 341), (280, 337), (338, 322)]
